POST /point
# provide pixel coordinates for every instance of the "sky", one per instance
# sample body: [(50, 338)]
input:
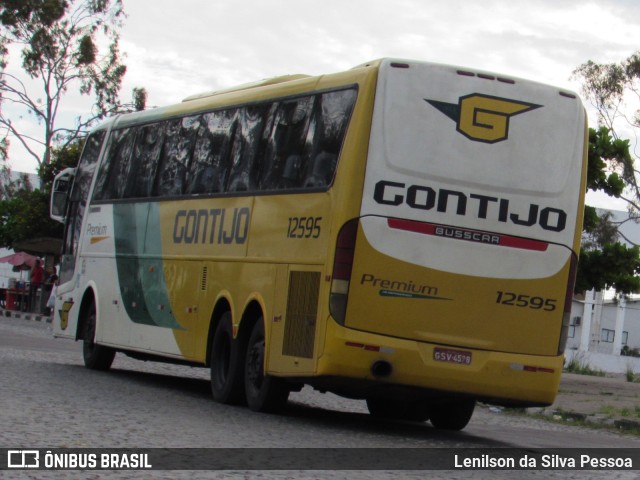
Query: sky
[(176, 49)]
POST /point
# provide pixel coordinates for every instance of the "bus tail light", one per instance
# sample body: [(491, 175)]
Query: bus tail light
[(566, 318), (342, 265)]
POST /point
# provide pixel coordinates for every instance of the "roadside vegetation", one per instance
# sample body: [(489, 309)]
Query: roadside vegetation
[(578, 364)]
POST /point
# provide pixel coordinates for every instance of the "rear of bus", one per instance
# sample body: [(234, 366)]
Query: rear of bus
[(456, 279)]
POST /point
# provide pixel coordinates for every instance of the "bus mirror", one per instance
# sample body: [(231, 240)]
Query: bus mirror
[(60, 194)]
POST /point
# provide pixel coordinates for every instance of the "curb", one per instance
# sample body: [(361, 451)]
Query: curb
[(26, 316)]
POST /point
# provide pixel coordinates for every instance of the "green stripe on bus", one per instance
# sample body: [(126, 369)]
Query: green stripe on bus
[(139, 263)]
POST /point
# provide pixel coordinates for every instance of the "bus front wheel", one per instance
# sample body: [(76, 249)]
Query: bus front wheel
[(264, 393), (96, 357), (453, 415), (226, 364)]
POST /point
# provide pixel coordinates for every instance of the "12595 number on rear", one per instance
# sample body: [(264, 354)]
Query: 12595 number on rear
[(526, 301)]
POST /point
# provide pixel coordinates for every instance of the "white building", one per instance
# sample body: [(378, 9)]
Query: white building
[(604, 325)]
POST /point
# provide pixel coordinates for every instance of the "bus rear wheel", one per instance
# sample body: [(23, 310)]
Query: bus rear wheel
[(227, 364), (264, 393), (96, 357), (452, 415)]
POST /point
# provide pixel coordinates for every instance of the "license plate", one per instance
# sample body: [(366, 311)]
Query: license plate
[(448, 355)]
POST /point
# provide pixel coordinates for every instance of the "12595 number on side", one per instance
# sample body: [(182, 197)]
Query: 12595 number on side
[(304, 227)]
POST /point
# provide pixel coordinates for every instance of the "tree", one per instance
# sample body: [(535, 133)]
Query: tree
[(25, 216), (604, 261), (610, 88), (24, 211), (59, 44)]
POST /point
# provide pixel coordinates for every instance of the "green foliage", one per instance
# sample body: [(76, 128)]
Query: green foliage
[(61, 158), (604, 262), (25, 217), (580, 366), (627, 351), (607, 154), (614, 265), (591, 218), (86, 51), (14, 13), (24, 212), (603, 83)]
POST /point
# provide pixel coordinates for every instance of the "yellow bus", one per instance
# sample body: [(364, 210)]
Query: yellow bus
[(403, 232)]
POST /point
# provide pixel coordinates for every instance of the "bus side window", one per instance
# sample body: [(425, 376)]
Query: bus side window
[(200, 171), (176, 153), (87, 167), (322, 168), (146, 156), (78, 203), (114, 177), (325, 141), (100, 191), (246, 147), (209, 169), (284, 145)]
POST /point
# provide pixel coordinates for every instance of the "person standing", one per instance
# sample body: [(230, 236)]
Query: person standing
[(37, 278)]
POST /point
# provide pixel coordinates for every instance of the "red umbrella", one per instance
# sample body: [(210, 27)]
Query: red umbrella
[(20, 260)]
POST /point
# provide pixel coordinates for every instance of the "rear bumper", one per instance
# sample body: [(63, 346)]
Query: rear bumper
[(494, 377)]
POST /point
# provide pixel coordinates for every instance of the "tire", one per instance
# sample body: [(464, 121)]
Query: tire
[(96, 357), (264, 393), (394, 409), (227, 364), (453, 415)]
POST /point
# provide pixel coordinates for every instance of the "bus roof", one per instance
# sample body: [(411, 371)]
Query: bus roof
[(247, 86), (263, 89)]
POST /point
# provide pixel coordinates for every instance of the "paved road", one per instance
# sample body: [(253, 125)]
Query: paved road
[(49, 400)]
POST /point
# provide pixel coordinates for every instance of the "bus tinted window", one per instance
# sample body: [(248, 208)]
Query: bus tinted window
[(246, 145), (325, 140), (146, 156), (210, 165), (80, 191), (284, 145), (118, 163), (179, 141), (87, 166)]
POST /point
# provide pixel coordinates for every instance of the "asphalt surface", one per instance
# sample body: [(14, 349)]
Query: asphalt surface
[(611, 401)]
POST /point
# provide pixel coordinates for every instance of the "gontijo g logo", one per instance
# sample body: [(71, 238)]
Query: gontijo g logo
[(483, 118)]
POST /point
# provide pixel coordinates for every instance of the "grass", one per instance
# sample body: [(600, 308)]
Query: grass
[(624, 412), (579, 365), (568, 419), (631, 376)]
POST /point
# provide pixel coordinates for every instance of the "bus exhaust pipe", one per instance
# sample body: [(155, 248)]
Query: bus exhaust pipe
[(381, 368)]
